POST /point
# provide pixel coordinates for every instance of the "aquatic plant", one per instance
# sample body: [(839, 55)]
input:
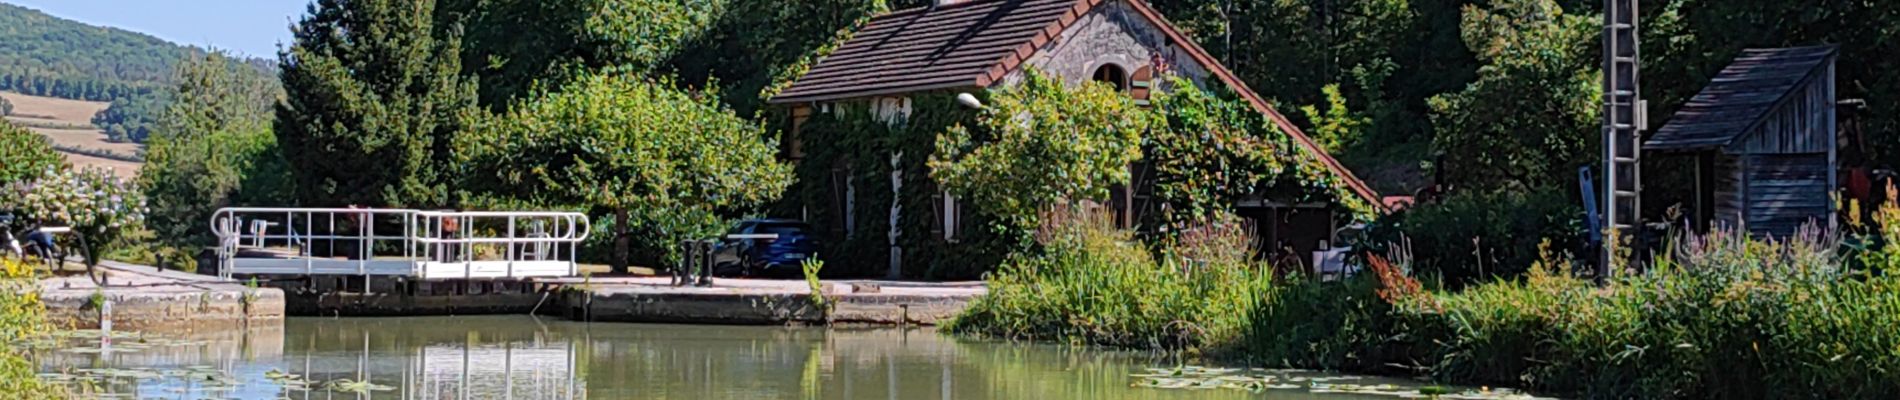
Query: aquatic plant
[(811, 266)]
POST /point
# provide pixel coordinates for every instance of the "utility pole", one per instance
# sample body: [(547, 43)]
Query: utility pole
[(1623, 123)]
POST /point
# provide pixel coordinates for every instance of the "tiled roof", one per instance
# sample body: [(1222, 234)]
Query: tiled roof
[(1739, 97), (965, 45), (974, 44)]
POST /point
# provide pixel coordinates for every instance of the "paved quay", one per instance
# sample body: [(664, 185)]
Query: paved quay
[(763, 302), (142, 298)]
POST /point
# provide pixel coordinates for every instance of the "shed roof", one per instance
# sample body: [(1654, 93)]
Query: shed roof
[(975, 44), (1740, 97)]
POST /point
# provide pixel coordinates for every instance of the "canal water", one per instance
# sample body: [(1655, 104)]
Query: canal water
[(528, 358)]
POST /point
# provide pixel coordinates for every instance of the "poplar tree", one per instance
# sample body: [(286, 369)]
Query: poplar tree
[(372, 100)]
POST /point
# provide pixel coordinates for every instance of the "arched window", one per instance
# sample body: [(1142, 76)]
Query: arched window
[(1113, 75)]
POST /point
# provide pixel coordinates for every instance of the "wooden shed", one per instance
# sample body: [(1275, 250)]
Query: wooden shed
[(1763, 135)]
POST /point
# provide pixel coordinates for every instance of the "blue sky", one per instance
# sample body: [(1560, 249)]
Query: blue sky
[(250, 27)]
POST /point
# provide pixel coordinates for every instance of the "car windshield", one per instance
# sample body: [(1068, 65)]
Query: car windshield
[(783, 228)]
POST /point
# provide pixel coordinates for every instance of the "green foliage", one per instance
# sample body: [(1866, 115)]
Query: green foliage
[(1041, 144), (849, 159), (1479, 236), (744, 45), (1211, 149), (373, 97), (1718, 316), (213, 149), (1532, 114), (1093, 283), (22, 317), (25, 155), (1338, 127), (811, 267), (676, 164), (513, 44), (1290, 49)]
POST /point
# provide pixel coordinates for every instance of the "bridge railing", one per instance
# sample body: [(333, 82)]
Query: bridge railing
[(423, 244)]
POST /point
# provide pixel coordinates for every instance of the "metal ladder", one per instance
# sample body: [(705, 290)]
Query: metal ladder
[(1624, 117)]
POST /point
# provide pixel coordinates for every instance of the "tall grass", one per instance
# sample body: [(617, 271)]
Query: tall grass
[(1716, 315), (1089, 282)]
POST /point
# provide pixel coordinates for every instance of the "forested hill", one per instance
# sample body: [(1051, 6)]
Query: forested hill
[(44, 55)]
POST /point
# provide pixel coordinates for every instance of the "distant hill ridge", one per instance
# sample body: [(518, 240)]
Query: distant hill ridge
[(44, 55)]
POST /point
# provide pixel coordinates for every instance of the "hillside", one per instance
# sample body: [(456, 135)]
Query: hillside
[(65, 122), (44, 55)]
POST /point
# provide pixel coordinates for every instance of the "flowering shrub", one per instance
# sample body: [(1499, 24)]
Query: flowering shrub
[(96, 204)]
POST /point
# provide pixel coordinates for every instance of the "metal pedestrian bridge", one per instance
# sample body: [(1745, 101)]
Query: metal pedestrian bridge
[(398, 242)]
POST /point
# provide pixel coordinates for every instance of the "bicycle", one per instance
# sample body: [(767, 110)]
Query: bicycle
[(38, 241)]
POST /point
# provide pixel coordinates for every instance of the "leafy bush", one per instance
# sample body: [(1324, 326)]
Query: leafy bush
[(1531, 114), (1475, 236), (669, 165), (1040, 144), (25, 155), (22, 316)]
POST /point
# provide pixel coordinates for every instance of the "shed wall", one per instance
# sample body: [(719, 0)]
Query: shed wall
[(1801, 125), (1784, 192)]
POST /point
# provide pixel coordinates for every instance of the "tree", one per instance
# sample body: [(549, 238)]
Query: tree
[(213, 148), (513, 44), (1039, 144), (1531, 117), (372, 100), (1338, 126), (742, 46), (669, 165), (25, 155)]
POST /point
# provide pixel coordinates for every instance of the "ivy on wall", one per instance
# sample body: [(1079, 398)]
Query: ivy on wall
[(850, 146), (1208, 150), (1211, 150)]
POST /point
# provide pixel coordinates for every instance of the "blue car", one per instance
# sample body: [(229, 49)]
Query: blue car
[(780, 257)]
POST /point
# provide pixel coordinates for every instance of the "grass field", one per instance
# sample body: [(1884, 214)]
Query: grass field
[(69, 124)]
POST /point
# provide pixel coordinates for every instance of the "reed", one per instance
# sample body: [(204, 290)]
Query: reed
[(1089, 282), (1716, 315)]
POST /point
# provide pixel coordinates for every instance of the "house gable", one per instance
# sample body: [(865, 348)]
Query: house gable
[(1111, 34), (986, 43)]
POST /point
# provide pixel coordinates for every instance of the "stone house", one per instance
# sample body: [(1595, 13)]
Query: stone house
[(975, 45)]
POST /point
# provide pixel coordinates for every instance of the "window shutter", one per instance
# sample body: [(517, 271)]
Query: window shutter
[(936, 205), (1141, 84)]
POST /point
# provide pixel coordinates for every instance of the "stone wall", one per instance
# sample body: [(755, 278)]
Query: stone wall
[(1112, 33)]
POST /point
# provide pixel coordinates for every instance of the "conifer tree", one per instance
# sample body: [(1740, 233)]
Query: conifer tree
[(372, 98)]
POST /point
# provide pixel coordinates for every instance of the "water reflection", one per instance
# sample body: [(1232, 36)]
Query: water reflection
[(522, 357)]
